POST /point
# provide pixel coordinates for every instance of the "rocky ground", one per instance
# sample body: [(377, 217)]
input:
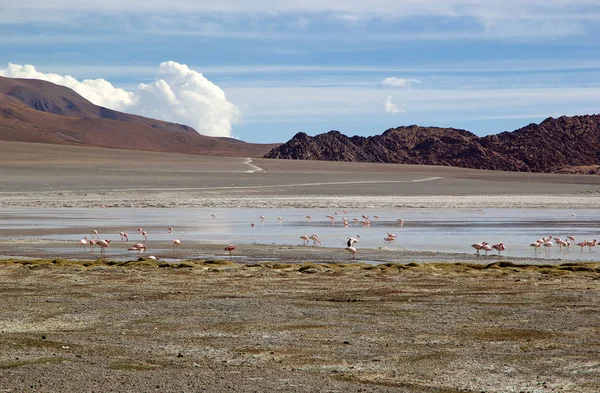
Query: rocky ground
[(223, 326)]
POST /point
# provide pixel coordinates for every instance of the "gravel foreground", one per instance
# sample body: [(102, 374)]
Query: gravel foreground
[(145, 326)]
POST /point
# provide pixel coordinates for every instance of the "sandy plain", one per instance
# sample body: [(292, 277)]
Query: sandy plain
[(312, 323)]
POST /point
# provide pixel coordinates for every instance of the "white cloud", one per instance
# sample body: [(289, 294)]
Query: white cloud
[(178, 94), (98, 91), (390, 106), (399, 82)]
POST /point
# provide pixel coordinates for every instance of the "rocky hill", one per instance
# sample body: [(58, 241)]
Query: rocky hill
[(551, 146), (37, 111)]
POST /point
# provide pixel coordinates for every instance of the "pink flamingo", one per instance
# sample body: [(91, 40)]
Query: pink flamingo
[(144, 236), (83, 243), (124, 236), (279, 219), (478, 247), (547, 245), (352, 241), (92, 243), (103, 244), (262, 218), (95, 233), (535, 246), (252, 225), (352, 251), (170, 230), (304, 240), (376, 217), (139, 247), (499, 247), (401, 222), (487, 248), (582, 244), (591, 244), (315, 239), (309, 218), (345, 211), (176, 242), (389, 239), (229, 249)]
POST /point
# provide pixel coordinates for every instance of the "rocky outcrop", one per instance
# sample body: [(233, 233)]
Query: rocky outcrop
[(549, 146)]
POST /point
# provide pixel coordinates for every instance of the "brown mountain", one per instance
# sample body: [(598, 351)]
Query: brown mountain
[(32, 110), (562, 144)]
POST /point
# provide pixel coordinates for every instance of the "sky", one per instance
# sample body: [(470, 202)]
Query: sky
[(262, 71)]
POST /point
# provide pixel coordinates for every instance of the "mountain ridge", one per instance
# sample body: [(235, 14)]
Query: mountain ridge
[(551, 146), (33, 110)]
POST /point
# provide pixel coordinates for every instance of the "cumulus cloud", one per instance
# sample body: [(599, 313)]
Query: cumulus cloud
[(178, 94), (389, 106), (399, 82), (98, 91)]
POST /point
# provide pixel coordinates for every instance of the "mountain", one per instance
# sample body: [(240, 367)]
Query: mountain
[(555, 145), (32, 110)]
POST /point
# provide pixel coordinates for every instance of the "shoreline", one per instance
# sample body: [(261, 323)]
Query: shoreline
[(141, 199)]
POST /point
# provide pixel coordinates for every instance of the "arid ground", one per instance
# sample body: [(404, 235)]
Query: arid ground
[(422, 322)]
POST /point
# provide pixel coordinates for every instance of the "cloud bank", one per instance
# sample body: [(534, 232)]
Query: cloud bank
[(399, 82), (178, 94)]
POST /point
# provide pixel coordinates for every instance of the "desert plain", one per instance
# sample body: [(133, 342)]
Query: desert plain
[(420, 322)]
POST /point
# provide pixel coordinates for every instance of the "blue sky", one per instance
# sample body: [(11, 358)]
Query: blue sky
[(271, 69)]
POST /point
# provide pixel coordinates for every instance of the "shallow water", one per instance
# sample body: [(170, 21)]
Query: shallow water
[(443, 230)]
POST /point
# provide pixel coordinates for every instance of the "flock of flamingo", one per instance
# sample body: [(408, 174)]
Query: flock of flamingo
[(139, 247), (546, 243)]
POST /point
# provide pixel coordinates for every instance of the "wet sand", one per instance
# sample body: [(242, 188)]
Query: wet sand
[(409, 325)]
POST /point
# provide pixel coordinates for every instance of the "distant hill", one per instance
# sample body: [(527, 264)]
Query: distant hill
[(32, 110), (566, 144)]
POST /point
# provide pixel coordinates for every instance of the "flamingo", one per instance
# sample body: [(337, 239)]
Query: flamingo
[(176, 242), (229, 249), (535, 246), (213, 216), (124, 236), (304, 240), (95, 233), (391, 235), (332, 218), (376, 217), (389, 239), (309, 218), (139, 247), (103, 244), (571, 238), (499, 247), (279, 219), (83, 243), (401, 222), (352, 240), (345, 211), (262, 218), (252, 225), (315, 239), (144, 236), (591, 244), (487, 248), (582, 244), (352, 251), (561, 243), (92, 243), (153, 258), (547, 245), (170, 230), (478, 246)]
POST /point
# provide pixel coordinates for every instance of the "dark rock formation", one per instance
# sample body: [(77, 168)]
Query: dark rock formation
[(548, 147)]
